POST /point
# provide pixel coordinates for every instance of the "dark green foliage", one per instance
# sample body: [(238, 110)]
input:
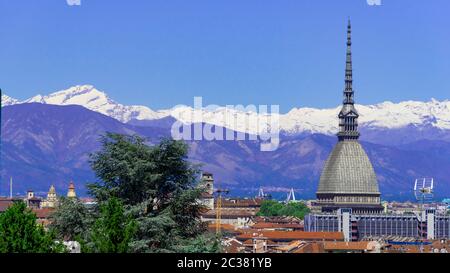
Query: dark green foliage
[(20, 233), (136, 173), (71, 219), (186, 212), (270, 208), (205, 243), (113, 230), (157, 186), (275, 208)]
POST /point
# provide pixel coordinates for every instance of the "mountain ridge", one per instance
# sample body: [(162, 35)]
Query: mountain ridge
[(429, 119), (46, 144)]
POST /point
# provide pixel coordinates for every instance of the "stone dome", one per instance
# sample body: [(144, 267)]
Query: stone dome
[(348, 171)]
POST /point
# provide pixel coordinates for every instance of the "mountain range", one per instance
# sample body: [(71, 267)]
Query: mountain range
[(430, 120), (47, 140)]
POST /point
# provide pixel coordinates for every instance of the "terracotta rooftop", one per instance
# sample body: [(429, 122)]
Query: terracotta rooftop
[(227, 227), (362, 245), (232, 246), (43, 213), (5, 204), (310, 247), (293, 245)]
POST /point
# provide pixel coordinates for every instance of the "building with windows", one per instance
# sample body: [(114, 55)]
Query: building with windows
[(427, 225), (207, 186)]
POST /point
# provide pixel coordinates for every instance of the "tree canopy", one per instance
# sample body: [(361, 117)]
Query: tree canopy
[(147, 200), (157, 187), (71, 220), (113, 230), (20, 233), (275, 208)]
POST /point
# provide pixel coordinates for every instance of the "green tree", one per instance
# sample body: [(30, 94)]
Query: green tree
[(136, 173), (275, 208), (296, 209), (20, 233), (270, 208), (156, 184), (71, 220), (113, 231), (205, 243)]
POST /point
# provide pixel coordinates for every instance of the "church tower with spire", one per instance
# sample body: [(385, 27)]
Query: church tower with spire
[(348, 179), (71, 192)]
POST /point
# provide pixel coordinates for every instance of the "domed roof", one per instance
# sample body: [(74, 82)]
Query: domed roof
[(348, 170)]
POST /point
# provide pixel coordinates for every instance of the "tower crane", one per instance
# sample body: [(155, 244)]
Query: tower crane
[(219, 193)]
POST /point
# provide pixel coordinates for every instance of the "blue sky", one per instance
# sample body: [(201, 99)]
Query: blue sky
[(288, 52)]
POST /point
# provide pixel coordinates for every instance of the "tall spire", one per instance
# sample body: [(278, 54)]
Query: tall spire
[(348, 93), (348, 117)]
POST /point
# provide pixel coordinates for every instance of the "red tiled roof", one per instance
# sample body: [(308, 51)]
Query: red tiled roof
[(43, 213), (362, 245), (5, 204), (291, 246), (311, 247), (222, 227)]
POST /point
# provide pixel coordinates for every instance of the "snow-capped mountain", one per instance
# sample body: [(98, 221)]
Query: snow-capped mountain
[(6, 101), (386, 115), (45, 143), (91, 98)]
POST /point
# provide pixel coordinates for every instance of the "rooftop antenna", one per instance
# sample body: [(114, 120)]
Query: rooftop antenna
[(424, 192)]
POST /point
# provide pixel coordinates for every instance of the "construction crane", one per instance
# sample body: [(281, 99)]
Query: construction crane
[(219, 193)]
